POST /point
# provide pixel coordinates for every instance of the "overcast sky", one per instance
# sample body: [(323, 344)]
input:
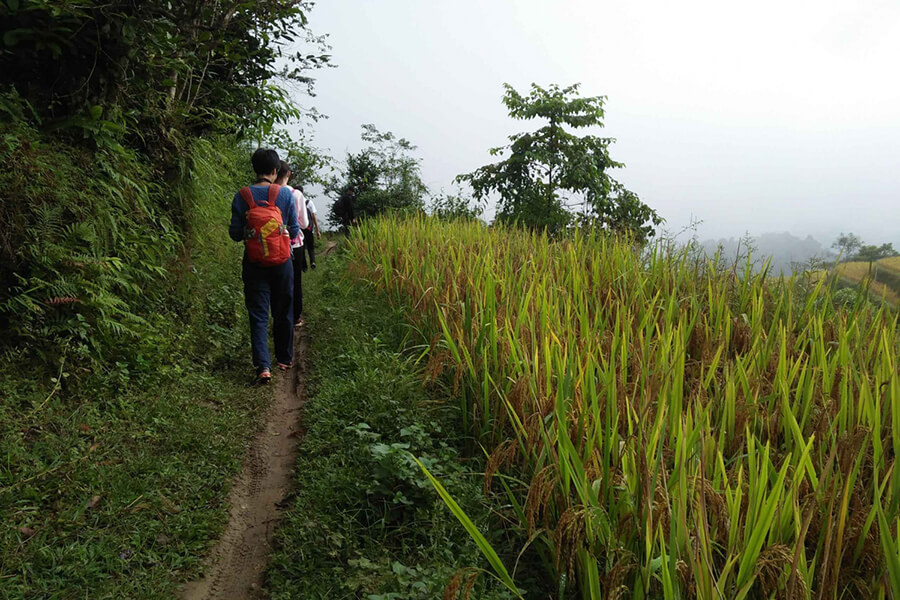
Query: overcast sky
[(765, 116)]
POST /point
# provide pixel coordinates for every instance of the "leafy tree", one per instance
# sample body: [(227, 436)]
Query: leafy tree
[(450, 207), (307, 162), (551, 171), (852, 247), (872, 253), (847, 245), (385, 176), (155, 72), (126, 123)]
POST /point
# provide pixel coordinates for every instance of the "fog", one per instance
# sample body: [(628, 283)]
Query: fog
[(769, 116)]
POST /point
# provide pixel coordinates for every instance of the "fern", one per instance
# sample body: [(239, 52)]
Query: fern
[(98, 261)]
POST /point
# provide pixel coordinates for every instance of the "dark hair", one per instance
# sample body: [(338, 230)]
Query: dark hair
[(264, 161), (283, 169), (300, 187)]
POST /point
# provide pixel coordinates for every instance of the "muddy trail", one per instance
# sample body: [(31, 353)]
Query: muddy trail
[(236, 565)]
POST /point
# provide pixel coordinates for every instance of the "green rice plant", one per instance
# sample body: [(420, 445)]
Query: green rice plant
[(666, 427)]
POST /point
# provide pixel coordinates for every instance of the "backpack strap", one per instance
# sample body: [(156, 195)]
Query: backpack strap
[(273, 194), (247, 195)]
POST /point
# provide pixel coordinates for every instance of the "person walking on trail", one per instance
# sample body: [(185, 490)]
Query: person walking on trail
[(297, 243), (264, 217), (308, 239), (344, 208)]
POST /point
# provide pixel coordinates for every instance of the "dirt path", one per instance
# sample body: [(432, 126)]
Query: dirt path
[(237, 563)]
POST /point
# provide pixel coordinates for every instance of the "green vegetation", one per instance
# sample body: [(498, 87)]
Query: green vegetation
[(118, 452), (599, 418), (665, 428), (877, 282), (117, 494), (551, 172), (126, 128), (383, 177), (880, 281), (153, 75), (852, 248), (450, 207), (365, 522)]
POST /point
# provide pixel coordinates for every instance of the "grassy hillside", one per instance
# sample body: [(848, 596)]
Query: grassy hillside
[(659, 428), (123, 366), (881, 279), (890, 264)]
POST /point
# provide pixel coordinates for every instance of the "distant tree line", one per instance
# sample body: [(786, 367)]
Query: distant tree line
[(852, 248), (551, 179)]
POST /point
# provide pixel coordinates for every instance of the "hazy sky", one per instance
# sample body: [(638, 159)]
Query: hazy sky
[(764, 116)]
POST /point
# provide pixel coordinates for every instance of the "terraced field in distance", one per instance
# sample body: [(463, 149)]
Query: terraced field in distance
[(881, 277), (890, 264)]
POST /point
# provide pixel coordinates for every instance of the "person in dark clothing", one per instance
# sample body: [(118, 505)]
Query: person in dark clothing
[(309, 241), (344, 209), (297, 243), (267, 287)]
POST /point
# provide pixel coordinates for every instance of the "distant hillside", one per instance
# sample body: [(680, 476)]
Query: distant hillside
[(881, 277), (784, 249)]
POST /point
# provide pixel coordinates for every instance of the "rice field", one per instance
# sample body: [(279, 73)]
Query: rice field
[(657, 427), (890, 264), (877, 278)]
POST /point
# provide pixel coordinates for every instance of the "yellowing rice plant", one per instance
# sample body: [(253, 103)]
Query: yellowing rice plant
[(854, 272), (659, 428), (862, 273), (890, 264), (816, 276), (881, 291)]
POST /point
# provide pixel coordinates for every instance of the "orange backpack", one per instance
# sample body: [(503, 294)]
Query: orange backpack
[(266, 237)]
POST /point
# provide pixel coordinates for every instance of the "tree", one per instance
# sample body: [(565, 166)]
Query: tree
[(153, 73), (449, 207), (847, 245), (550, 172), (384, 176), (872, 253), (851, 247), (297, 149)]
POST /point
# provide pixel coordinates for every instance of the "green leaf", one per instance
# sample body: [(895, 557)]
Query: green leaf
[(11, 37), (483, 544), (760, 529), (889, 547)]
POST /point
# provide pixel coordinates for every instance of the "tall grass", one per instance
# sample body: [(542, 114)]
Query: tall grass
[(659, 427)]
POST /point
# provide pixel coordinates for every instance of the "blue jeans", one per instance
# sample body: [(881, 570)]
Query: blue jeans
[(265, 287)]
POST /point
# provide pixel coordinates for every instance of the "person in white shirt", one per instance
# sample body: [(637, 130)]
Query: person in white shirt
[(308, 240), (297, 243)]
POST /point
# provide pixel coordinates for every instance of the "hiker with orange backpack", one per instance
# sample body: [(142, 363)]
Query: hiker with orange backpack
[(264, 217)]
